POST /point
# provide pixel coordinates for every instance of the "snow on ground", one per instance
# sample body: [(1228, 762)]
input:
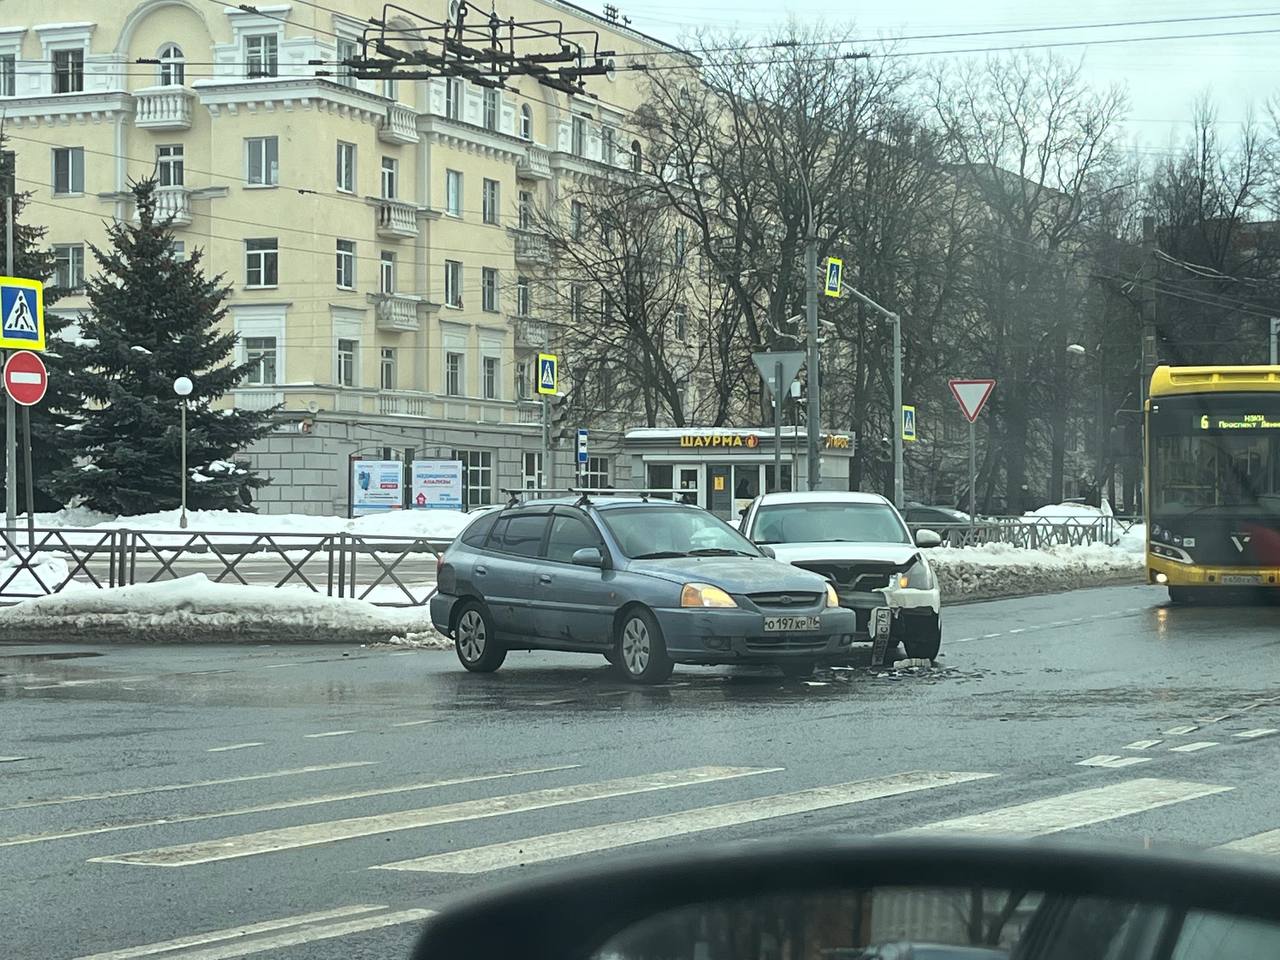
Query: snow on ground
[(1001, 569), (39, 578)]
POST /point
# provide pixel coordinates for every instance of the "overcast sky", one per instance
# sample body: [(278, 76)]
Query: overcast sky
[(1162, 77)]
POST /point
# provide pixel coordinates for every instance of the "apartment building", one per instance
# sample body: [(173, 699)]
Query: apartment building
[(375, 233)]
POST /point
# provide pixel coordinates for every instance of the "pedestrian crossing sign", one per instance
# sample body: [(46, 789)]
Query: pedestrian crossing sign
[(548, 373), (908, 422), (835, 277), (21, 314)]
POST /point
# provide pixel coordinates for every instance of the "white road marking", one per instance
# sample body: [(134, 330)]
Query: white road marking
[(313, 834), (1142, 744), (965, 640), (236, 746), (990, 636), (1219, 718), (416, 723), (1193, 747), (1110, 760), (1267, 843), (1181, 730), (1078, 809), (330, 733), (278, 805), (1254, 734), (169, 787), (608, 836), (1017, 630), (289, 938), (12, 760)]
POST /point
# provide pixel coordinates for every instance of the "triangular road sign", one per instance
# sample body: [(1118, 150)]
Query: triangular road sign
[(767, 363), (971, 395)]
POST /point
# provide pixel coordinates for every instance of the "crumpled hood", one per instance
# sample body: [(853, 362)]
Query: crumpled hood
[(900, 554), (733, 574)]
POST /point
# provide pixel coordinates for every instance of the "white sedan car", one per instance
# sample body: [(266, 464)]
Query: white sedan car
[(860, 543)]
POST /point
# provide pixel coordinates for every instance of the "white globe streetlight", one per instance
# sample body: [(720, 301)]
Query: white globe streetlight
[(183, 386)]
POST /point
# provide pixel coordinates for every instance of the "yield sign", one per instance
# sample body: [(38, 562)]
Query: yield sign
[(767, 363), (971, 395), (25, 378)]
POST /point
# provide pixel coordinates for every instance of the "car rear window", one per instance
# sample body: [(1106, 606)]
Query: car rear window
[(478, 529), (523, 534)]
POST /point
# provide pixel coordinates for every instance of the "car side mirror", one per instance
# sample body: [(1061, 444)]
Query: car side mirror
[(767, 551), (928, 538), (587, 557)]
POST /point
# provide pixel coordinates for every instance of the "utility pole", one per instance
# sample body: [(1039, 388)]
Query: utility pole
[(10, 408), (813, 413), (899, 485)]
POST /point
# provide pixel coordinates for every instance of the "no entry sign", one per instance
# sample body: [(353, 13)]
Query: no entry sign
[(25, 378)]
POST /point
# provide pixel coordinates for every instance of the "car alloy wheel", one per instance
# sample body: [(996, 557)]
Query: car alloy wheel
[(472, 636), (479, 648), (639, 648), (636, 646)]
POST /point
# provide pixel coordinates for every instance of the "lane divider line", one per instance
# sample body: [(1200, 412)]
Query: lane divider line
[(330, 733), (236, 746)]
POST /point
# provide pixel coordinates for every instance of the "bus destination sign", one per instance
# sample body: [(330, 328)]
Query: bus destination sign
[(1242, 421)]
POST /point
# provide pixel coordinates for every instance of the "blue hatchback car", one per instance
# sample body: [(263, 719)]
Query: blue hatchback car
[(646, 583)]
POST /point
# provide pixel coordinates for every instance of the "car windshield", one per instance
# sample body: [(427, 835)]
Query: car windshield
[(831, 521), (658, 531)]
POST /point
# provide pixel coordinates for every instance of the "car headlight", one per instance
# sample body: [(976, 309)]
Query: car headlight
[(918, 576), (833, 598), (704, 595)]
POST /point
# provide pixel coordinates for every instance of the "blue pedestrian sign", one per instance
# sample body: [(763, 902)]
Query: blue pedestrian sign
[(21, 314), (548, 373), (835, 276), (582, 447)]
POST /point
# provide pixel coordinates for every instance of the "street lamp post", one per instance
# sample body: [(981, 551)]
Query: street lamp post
[(899, 484), (183, 387), (1076, 350)]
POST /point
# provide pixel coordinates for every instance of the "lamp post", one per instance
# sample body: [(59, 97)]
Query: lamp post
[(183, 387), (1077, 350)]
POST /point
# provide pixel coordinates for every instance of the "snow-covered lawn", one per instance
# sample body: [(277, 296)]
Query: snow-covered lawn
[(1001, 569)]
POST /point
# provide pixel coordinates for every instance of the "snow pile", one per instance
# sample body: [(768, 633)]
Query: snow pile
[(1004, 570), (50, 569), (195, 609), (424, 640)]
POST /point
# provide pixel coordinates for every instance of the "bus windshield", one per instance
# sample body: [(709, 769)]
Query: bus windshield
[(1215, 457)]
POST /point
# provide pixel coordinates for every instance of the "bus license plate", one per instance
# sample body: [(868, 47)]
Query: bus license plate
[(791, 624), (1242, 579)]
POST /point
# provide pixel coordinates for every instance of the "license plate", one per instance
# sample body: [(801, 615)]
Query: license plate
[(791, 624), (1242, 579)]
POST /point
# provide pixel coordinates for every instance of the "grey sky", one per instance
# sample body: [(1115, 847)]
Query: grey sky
[(1163, 78)]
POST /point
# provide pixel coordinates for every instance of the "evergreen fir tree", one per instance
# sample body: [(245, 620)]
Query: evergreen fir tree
[(155, 318), (55, 444)]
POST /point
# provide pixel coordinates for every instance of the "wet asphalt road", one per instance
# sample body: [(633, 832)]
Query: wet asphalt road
[(1098, 690)]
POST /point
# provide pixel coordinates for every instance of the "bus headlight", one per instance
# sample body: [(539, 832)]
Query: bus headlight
[(1166, 552)]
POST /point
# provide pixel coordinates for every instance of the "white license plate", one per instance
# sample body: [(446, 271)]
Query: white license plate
[(791, 624), (1242, 579)]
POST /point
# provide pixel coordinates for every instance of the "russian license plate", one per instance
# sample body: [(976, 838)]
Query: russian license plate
[(1242, 579), (791, 624)]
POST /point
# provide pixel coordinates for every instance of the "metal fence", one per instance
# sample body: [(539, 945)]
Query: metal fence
[(1033, 534), (385, 570)]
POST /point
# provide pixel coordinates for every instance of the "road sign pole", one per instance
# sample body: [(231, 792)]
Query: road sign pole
[(899, 495), (813, 408), (973, 474), (544, 480), (31, 487), (777, 426), (10, 408)]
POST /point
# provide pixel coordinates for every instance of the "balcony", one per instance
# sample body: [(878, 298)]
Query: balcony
[(172, 204), (397, 220), (404, 404), (531, 334), (163, 108), (535, 165), (532, 249), (394, 313), (399, 125), (257, 398)]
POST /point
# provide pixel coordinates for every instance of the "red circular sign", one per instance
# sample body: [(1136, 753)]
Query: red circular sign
[(25, 377)]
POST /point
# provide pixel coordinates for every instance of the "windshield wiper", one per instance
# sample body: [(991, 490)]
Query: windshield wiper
[(659, 555), (719, 552)]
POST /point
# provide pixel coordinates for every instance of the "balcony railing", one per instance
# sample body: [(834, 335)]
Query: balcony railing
[(396, 219), (257, 398), (163, 108), (172, 204), (395, 313), (404, 404), (531, 249), (399, 125), (535, 165), (531, 333)]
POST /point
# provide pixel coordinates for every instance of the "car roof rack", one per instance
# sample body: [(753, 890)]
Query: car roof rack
[(518, 495)]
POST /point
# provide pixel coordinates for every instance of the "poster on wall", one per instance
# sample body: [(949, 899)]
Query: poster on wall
[(376, 486), (437, 485)]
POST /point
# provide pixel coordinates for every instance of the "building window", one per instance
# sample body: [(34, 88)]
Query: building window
[(173, 66), (8, 75), (596, 475), (491, 102), (682, 244), (477, 477), (68, 170), (489, 289), (575, 220), (636, 156), (522, 296), (346, 173), (491, 366), (68, 71), (8, 172), (390, 176), (68, 266), (178, 250), (347, 366), (262, 161), (262, 262), (347, 264), (526, 122), (453, 283), (609, 144), (575, 303), (387, 272), (453, 98), (682, 324), (453, 374), (260, 354), (489, 201), (453, 193), (531, 472), (525, 212), (346, 50), (262, 55), (388, 368), (579, 141), (523, 380), (169, 171)]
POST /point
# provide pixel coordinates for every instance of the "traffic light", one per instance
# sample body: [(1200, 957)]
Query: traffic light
[(558, 417)]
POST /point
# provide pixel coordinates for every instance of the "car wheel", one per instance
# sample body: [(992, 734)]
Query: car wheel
[(478, 647), (640, 650), (923, 638), (797, 668)]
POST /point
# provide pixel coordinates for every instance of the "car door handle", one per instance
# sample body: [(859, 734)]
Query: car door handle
[(545, 578), (481, 571)]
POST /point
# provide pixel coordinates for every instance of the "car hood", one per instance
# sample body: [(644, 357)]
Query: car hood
[(896, 553), (733, 574)]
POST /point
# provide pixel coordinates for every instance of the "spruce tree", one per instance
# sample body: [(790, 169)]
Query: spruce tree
[(154, 318)]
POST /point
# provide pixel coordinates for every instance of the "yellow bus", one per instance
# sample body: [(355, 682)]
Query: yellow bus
[(1213, 479)]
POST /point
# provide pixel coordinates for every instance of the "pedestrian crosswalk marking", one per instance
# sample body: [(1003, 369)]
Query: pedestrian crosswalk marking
[(1181, 730), (1267, 843), (1254, 734), (1193, 747), (1110, 760), (1079, 809), (608, 836), (313, 834), (1142, 744)]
